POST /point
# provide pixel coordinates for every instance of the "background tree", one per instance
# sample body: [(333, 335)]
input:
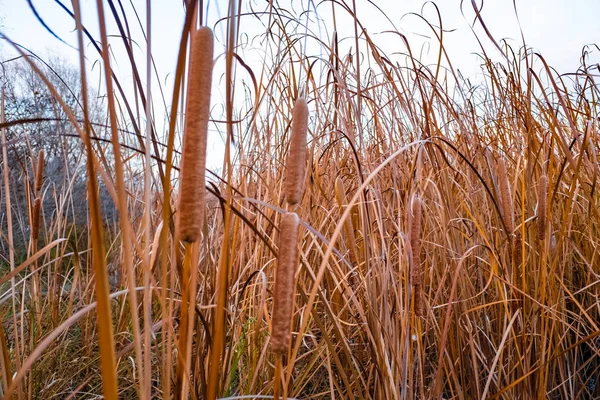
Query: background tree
[(38, 122)]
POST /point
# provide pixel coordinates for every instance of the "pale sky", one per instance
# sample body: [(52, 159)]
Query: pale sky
[(556, 28)]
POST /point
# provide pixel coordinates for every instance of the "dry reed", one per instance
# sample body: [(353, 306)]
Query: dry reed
[(357, 338), (541, 208)]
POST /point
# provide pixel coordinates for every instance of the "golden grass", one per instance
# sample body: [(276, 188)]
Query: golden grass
[(425, 238)]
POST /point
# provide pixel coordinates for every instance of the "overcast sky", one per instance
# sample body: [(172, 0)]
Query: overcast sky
[(557, 28)]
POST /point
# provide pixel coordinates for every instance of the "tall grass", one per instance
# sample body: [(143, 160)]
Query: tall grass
[(446, 234)]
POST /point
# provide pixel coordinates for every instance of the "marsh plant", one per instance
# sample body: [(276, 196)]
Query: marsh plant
[(376, 228)]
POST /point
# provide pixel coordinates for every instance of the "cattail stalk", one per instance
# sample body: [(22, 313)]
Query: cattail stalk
[(414, 237), (542, 207), (193, 158), (283, 294), (296, 159)]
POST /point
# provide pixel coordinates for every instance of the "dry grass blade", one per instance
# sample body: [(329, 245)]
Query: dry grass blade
[(104, 312), (4, 361), (541, 208)]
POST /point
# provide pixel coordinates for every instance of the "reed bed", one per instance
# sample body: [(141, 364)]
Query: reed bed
[(378, 229)]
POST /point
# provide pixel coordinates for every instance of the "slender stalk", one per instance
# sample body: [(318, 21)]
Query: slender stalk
[(147, 302), (11, 250), (105, 324)]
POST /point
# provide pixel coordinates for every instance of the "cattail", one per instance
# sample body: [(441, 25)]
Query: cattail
[(193, 158), (39, 173), (417, 293), (541, 209), (296, 159), (340, 192), (283, 294), (518, 250), (414, 237), (35, 219), (37, 203), (505, 197)]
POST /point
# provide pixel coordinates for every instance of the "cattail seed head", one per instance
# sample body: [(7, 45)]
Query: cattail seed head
[(296, 160), (39, 173), (340, 192), (414, 237), (283, 293), (37, 203), (518, 251), (542, 207), (505, 196), (417, 290), (35, 219), (193, 158)]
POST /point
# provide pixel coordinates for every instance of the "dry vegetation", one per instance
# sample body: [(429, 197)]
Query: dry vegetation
[(447, 234)]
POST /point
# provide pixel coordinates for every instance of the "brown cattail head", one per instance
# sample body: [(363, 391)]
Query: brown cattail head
[(193, 158), (35, 219), (296, 160), (518, 250), (283, 293), (542, 207), (417, 293), (340, 192), (39, 173), (414, 237), (37, 203), (505, 197)]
